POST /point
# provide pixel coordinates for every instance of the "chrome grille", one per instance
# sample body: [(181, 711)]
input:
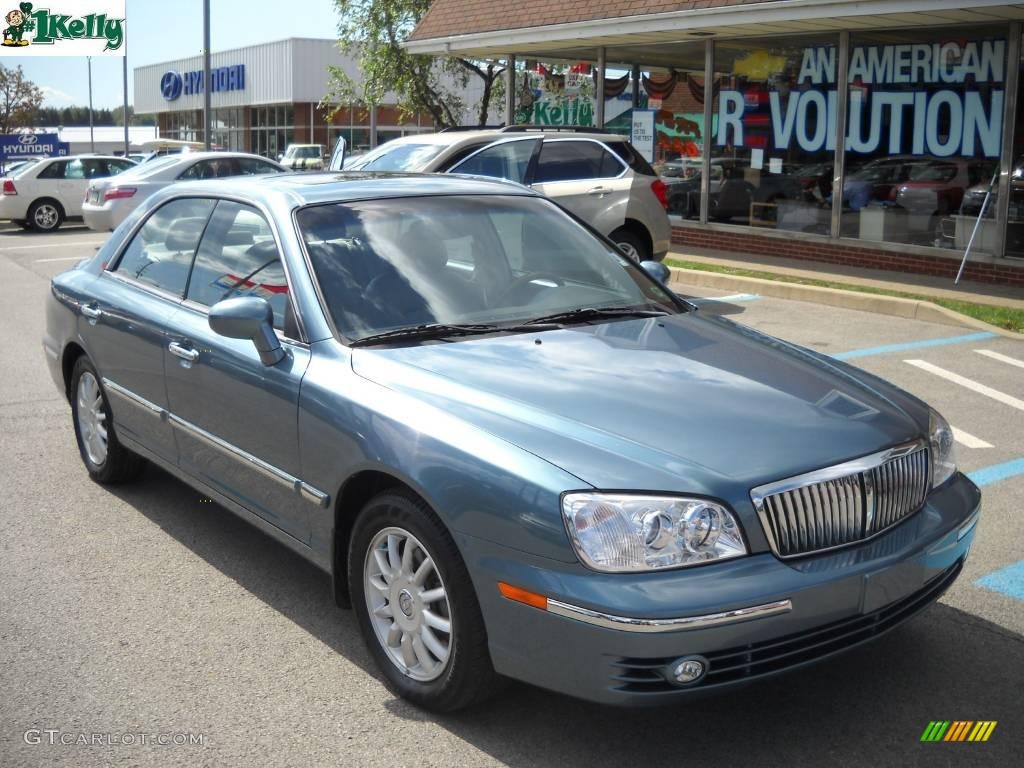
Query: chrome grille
[(843, 504)]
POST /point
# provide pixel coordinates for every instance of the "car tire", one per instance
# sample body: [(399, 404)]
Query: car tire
[(400, 552), (107, 461), (45, 215), (630, 244)]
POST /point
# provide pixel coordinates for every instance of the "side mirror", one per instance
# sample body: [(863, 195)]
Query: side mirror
[(248, 317), (657, 270), (338, 155)]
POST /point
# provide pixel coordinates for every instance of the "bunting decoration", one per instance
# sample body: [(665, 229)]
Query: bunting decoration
[(697, 89), (616, 87), (660, 89)]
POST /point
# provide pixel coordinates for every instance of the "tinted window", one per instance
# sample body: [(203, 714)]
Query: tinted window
[(461, 154), (208, 169), (161, 252), (238, 257), (633, 159), (85, 169), (53, 171), (505, 160), (571, 160), (115, 167), (248, 166)]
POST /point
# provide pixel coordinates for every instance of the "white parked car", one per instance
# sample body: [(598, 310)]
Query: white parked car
[(42, 195), (109, 201)]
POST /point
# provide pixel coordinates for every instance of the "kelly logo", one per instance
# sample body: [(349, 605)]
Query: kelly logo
[(47, 27), (958, 730)]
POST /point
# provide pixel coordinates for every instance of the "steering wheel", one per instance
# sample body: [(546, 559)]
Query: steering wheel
[(528, 278)]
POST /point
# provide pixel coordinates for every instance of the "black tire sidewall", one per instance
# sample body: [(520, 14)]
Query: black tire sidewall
[(396, 509), (625, 236), (32, 215)]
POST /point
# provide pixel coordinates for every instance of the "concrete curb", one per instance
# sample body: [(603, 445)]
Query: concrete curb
[(912, 309)]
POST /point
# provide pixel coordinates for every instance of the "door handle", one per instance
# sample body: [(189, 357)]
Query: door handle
[(176, 349), (598, 191), (92, 312)]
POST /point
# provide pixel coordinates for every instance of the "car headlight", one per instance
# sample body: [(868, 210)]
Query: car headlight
[(624, 532), (940, 435)]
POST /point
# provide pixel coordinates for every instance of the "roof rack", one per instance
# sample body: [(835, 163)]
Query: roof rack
[(552, 128), (455, 128)]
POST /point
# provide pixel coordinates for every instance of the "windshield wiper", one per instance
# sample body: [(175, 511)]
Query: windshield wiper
[(594, 313), (426, 331)]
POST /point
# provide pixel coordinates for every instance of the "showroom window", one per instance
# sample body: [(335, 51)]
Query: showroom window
[(925, 119), (774, 139)]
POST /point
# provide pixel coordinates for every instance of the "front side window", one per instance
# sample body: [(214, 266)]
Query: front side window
[(248, 166), (487, 260), (509, 159), (238, 257), (160, 254)]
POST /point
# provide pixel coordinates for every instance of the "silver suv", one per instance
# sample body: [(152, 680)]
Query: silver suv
[(597, 176)]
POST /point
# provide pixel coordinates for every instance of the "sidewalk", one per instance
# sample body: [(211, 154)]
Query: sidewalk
[(919, 285)]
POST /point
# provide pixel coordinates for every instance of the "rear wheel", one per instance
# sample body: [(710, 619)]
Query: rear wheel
[(46, 215), (631, 244), (106, 460), (416, 607)]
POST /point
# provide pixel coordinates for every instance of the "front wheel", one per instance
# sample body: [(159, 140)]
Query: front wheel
[(631, 244), (416, 607)]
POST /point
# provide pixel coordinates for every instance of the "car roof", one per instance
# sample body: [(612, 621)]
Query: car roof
[(332, 186), (448, 138)]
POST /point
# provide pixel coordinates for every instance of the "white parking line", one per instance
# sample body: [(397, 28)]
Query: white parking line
[(62, 258), (963, 381), (1000, 357), (968, 440), (50, 245)]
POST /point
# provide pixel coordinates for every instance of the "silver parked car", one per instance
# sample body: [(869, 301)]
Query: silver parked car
[(600, 177), (109, 201)]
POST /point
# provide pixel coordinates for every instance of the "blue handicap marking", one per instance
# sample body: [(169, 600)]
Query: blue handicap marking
[(1008, 581), (998, 472), (923, 344)]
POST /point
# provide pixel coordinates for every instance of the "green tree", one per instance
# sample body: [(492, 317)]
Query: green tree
[(20, 99), (372, 31)]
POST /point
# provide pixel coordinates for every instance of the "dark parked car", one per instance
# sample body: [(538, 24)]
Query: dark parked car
[(730, 193), (935, 189), (514, 452)]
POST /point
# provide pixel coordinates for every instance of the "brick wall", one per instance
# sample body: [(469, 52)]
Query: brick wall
[(846, 253)]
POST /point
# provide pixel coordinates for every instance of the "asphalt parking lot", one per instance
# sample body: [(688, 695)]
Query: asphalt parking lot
[(146, 610)]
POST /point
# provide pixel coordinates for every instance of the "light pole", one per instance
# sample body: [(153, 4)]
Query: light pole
[(124, 72), (92, 141), (206, 74)]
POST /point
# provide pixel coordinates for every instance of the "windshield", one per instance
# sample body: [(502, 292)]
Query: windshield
[(459, 260), (395, 156), (302, 152)]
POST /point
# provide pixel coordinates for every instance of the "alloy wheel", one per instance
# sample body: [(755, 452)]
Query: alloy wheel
[(408, 604), (45, 216), (92, 419)]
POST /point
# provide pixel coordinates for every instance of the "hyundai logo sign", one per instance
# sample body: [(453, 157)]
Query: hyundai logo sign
[(170, 85), (28, 138), (175, 84)]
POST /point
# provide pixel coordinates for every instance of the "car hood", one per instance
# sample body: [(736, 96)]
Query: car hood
[(686, 403)]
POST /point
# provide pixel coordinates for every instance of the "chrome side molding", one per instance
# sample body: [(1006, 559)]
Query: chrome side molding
[(299, 486)]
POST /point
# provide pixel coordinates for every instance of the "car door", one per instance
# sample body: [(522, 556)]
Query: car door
[(236, 419), (587, 179), (125, 326)]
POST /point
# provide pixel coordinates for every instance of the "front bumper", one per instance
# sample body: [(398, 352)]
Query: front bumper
[(836, 601)]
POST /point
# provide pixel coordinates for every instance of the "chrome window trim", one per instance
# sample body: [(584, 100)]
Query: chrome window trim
[(683, 623), (301, 487), (861, 466)]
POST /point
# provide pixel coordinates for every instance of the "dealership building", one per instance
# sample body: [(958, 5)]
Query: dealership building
[(263, 98), (748, 95)]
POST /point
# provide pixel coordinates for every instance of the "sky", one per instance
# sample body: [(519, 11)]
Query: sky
[(161, 30)]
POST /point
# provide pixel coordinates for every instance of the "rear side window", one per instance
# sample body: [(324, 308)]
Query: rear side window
[(248, 166), (239, 257), (160, 254), (627, 152), (574, 160), (53, 171)]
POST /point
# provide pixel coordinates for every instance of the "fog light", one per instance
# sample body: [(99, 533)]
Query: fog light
[(688, 670)]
